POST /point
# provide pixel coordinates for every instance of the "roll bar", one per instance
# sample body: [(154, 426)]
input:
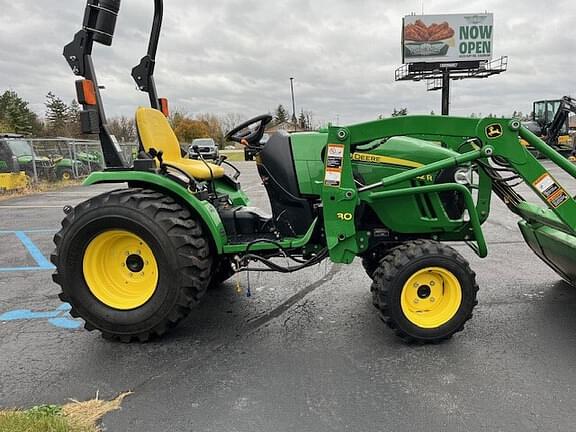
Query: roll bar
[(143, 73), (99, 26)]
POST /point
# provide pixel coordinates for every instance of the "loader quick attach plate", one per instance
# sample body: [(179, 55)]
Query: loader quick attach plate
[(554, 247)]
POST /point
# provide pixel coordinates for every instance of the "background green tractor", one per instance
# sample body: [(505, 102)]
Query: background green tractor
[(133, 262), (19, 149), (83, 164)]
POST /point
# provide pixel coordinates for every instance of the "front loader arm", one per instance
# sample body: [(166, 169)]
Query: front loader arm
[(490, 138), (340, 195)]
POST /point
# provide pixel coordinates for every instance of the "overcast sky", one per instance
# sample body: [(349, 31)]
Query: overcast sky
[(238, 55)]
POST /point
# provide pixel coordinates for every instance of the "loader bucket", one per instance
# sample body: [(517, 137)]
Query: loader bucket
[(553, 244)]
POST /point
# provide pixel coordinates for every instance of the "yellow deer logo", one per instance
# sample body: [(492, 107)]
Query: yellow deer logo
[(494, 131)]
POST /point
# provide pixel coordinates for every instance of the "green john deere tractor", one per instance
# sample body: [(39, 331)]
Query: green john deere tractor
[(135, 261)]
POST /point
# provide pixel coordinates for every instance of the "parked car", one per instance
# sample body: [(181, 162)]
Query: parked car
[(206, 147)]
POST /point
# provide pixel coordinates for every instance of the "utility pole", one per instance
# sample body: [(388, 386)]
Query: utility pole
[(293, 101)]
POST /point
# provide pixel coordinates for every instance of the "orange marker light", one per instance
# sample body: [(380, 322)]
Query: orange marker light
[(164, 106), (86, 92)]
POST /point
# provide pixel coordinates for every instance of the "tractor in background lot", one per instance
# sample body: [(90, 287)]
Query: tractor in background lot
[(16, 148), (11, 175), (133, 262), (83, 164)]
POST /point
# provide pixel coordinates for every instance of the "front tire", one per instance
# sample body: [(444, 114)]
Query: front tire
[(425, 291), (132, 263), (371, 260), (66, 175)]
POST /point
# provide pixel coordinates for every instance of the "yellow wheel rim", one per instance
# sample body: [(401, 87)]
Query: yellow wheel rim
[(120, 269), (66, 176), (431, 297)]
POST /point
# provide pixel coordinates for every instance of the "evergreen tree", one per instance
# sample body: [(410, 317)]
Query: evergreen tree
[(15, 116), (281, 115), (73, 120), (57, 115)]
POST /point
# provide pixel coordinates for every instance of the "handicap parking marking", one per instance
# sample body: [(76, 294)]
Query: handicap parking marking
[(59, 317), (30, 231), (41, 261), (29, 207)]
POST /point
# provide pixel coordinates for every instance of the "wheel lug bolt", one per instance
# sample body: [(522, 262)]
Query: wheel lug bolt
[(432, 283), (416, 301), (432, 299), (416, 285)]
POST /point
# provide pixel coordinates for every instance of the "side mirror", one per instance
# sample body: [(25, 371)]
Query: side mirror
[(100, 19)]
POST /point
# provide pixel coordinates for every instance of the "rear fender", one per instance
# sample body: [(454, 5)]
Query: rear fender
[(203, 209)]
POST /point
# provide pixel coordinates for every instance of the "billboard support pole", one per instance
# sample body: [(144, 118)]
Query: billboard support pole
[(445, 92)]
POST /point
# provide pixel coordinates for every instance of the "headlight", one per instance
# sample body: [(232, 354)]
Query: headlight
[(463, 176)]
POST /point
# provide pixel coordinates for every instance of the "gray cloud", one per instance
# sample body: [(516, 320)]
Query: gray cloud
[(237, 55)]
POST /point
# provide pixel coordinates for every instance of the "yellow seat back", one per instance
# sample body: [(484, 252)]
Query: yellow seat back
[(155, 132)]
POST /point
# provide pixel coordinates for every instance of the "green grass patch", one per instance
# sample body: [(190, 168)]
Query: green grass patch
[(40, 419), (233, 155), (73, 417)]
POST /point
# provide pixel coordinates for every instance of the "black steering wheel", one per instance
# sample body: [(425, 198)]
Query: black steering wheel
[(252, 136)]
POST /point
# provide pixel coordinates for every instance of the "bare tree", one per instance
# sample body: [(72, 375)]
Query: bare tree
[(229, 121), (123, 128)]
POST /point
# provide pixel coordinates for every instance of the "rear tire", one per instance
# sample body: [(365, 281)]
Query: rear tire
[(425, 291), (174, 268)]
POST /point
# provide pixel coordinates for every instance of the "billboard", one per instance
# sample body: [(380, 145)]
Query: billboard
[(447, 38)]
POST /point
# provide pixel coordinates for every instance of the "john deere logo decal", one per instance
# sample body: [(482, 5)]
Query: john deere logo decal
[(494, 131)]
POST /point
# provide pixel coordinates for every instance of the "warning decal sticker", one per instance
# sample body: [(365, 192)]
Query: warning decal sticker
[(551, 190), (335, 156), (546, 186), (558, 199)]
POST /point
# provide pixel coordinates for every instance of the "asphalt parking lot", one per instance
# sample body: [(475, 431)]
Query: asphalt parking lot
[(307, 352)]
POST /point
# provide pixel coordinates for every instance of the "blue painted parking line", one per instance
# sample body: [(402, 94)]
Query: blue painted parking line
[(30, 231), (19, 269), (60, 317), (41, 261)]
